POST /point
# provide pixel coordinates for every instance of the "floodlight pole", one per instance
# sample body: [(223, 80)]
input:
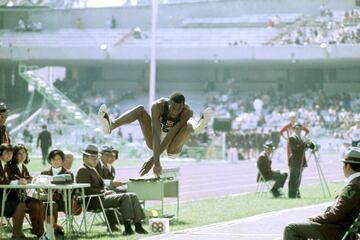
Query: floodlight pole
[(152, 80)]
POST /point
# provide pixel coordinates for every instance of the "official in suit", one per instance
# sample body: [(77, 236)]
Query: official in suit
[(69, 160), (56, 159), (107, 171), (264, 167), (44, 141), (337, 218), (130, 210), (20, 174), (14, 208), (297, 161)]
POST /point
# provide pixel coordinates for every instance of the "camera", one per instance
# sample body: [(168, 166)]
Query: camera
[(313, 146)]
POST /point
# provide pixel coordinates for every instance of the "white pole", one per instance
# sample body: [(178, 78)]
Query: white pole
[(152, 81)]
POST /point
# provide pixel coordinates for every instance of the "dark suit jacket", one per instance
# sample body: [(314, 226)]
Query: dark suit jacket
[(85, 174), (337, 218), (297, 156), (4, 175), (112, 173), (15, 173), (4, 135), (264, 166), (12, 199), (5, 180), (105, 172), (44, 139), (63, 171)]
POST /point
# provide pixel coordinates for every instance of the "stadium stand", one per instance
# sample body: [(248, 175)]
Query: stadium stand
[(169, 38), (245, 20)]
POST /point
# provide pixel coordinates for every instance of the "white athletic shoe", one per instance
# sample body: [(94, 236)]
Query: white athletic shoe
[(204, 120), (104, 119)]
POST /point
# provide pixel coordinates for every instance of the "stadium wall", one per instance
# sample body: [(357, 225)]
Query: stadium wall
[(195, 77), (198, 78), (254, 55)]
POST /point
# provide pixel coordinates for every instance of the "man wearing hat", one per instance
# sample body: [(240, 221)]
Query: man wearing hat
[(130, 210), (297, 160), (4, 136), (337, 219), (288, 129), (264, 167), (107, 171)]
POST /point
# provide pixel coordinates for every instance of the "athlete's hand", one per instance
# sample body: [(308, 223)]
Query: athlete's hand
[(157, 170), (147, 166)]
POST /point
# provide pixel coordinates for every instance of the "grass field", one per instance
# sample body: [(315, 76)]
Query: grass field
[(222, 209)]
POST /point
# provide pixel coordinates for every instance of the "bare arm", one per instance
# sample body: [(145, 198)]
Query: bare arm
[(306, 130), (285, 130), (158, 147), (184, 117), (155, 122)]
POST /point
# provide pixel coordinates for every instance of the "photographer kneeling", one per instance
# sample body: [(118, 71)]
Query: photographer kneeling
[(264, 167)]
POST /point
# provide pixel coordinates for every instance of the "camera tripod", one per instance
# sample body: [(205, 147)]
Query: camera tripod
[(323, 182)]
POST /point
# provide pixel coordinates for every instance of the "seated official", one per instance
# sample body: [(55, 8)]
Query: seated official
[(56, 159), (14, 208), (264, 167), (127, 204), (114, 157), (69, 160), (107, 171), (20, 173), (338, 217)]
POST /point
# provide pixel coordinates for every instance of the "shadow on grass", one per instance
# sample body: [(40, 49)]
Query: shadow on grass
[(89, 235), (96, 235)]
